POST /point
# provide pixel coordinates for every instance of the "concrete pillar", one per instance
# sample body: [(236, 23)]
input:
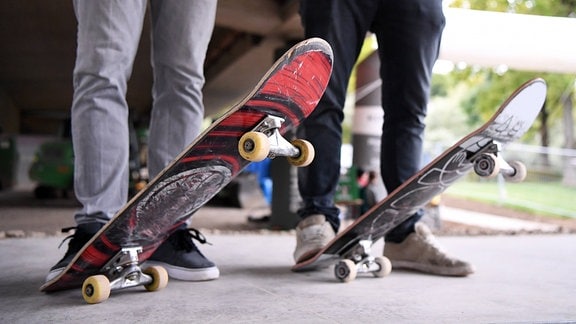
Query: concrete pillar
[(285, 196), (368, 115)]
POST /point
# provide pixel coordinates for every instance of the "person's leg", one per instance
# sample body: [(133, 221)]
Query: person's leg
[(340, 23), (409, 37), (409, 34), (181, 31), (108, 36), (343, 25)]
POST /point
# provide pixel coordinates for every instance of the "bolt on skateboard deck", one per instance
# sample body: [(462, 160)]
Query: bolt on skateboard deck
[(480, 151), (286, 95)]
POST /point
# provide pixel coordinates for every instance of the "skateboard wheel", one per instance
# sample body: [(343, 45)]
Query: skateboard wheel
[(519, 172), (306, 155), (487, 165), (96, 289), (345, 270), (254, 146), (159, 278), (436, 200), (140, 185), (385, 267)]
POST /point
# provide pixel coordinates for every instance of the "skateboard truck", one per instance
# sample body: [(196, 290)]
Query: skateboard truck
[(123, 271), (360, 260), (265, 140), (488, 163)]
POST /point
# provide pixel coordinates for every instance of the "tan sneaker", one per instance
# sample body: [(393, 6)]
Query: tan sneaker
[(312, 233), (420, 252)]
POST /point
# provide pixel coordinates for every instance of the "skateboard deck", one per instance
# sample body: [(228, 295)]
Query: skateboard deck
[(349, 251), (286, 95)]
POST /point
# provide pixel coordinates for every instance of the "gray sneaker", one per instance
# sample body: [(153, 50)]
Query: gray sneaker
[(420, 251), (312, 234), (182, 259)]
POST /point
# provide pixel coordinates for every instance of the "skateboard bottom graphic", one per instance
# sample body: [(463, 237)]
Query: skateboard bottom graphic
[(251, 130)]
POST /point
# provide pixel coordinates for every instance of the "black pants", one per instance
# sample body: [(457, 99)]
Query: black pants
[(408, 34)]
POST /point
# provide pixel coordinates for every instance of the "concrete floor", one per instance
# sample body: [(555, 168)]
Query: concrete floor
[(520, 278)]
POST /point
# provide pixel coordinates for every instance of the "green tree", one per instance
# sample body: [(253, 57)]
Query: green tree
[(488, 88)]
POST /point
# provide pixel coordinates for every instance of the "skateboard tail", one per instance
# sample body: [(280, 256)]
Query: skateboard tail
[(304, 71), (297, 80), (505, 126)]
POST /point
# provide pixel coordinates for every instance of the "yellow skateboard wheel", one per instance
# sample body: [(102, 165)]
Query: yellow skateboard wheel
[(159, 278), (306, 155), (254, 146), (96, 289)]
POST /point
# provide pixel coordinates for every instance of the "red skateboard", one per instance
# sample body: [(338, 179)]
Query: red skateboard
[(251, 130)]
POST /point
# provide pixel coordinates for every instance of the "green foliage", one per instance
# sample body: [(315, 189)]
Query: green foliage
[(441, 85), (556, 8), (489, 87), (541, 198)]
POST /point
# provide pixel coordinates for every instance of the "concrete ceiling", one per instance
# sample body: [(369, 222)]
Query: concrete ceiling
[(38, 40)]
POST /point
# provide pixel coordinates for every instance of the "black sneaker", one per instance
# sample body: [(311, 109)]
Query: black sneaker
[(82, 234), (182, 259)]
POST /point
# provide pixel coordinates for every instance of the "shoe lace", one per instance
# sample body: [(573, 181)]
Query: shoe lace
[(79, 236), (77, 240), (69, 237), (184, 239)]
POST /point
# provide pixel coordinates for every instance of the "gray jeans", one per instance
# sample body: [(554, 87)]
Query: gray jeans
[(108, 35)]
